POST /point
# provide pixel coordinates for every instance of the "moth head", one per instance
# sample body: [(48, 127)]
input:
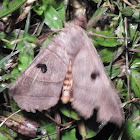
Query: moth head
[(43, 67)]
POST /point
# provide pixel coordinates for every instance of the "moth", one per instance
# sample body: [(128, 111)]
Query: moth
[(69, 69)]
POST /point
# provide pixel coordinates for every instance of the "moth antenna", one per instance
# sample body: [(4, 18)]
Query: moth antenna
[(67, 85)]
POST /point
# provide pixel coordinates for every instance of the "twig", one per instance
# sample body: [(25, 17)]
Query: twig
[(126, 55), (134, 50), (63, 125), (136, 119), (9, 117), (128, 3), (58, 120), (99, 35), (94, 19), (131, 101)]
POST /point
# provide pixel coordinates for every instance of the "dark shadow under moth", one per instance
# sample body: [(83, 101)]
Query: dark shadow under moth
[(69, 68)]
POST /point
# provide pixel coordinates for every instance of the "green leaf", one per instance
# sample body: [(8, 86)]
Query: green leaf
[(6, 134), (82, 130), (52, 18), (135, 82), (38, 9), (6, 77), (120, 29), (49, 127), (96, 16), (29, 38), (70, 113), (2, 88), (99, 3), (26, 56), (5, 3), (69, 135), (136, 14), (54, 13), (12, 6), (2, 35), (136, 62), (132, 29), (113, 71), (61, 14), (99, 11), (120, 83), (8, 39), (108, 42), (133, 128), (15, 72), (128, 11), (106, 55)]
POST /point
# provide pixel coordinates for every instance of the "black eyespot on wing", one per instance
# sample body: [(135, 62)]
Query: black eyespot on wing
[(43, 67), (94, 75)]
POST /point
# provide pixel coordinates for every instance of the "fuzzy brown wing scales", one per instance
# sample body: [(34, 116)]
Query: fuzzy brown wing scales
[(69, 64), (39, 87), (92, 87)]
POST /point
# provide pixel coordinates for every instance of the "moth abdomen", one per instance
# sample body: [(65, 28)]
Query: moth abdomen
[(67, 86), (43, 67)]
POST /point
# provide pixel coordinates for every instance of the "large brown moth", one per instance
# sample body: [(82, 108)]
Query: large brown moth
[(68, 68)]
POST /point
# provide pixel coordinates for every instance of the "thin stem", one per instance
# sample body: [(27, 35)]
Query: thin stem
[(59, 124), (126, 55), (136, 119), (106, 37), (9, 117)]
